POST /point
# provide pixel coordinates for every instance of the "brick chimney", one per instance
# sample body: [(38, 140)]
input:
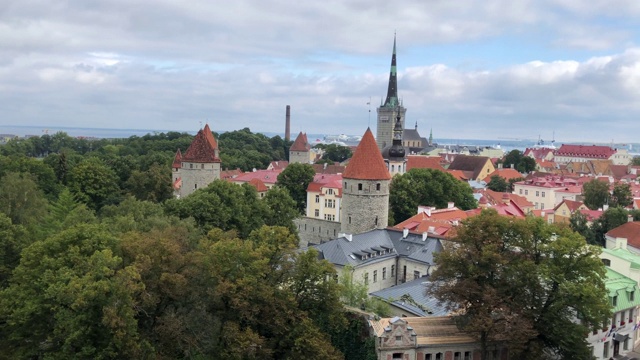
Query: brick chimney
[(287, 125)]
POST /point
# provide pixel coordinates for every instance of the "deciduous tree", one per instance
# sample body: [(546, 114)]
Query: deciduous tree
[(621, 195), (523, 282), (595, 193), (427, 187), (498, 183), (296, 178)]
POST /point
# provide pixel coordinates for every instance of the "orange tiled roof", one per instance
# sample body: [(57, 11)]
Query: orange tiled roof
[(230, 174), (458, 174), (259, 185), (177, 161), (301, 143), (177, 184), (203, 148), (266, 176), (366, 162), (572, 205), (423, 162), (506, 174)]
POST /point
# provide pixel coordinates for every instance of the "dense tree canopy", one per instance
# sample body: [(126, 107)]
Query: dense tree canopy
[(516, 158), (523, 282), (335, 152), (426, 187), (595, 193), (621, 195), (498, 183), (296, 178)]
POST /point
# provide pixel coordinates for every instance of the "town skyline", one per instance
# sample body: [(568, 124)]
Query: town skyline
[(496, 70)]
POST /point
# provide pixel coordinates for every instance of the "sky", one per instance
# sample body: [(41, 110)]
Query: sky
[(491, 69)]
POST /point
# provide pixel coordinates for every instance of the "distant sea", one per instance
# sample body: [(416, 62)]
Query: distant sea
[(506, 145)]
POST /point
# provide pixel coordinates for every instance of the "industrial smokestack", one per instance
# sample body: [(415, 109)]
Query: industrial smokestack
[(287, 126)]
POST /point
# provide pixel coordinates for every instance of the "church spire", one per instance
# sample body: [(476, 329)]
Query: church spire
[(392, 91)]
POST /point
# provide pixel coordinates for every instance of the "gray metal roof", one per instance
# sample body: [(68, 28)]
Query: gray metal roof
[(428, 306), (344, 252)]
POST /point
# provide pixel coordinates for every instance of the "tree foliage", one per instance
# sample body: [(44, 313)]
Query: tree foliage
[(621, 195), (427, 187), (516, 158), (595, 193), (498, 183), (296, 178), (335, 152), (21, 199), (523, 282)]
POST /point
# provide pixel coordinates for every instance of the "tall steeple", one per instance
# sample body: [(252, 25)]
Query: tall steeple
[(392, 90), (391, 108)]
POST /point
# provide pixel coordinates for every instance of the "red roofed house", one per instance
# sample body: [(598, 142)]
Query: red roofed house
[(365, 196), (267, 177), (433, 221), (300, 150), (624, 236), (199, 166), (261, 188), (541, 191), (564, 210), (278, 165), (544, 154), (324, 195), (474, 167), (578, 153)]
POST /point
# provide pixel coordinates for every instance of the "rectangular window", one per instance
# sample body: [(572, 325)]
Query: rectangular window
[(375, 275), (317, 213), (317, 199), (537, 193), (526, 192), (378, 186), (384, 273), (393, 270), (520, 191), (613, 319), (614, 301), (360, 187), (625, 344), (456, 356), (330, 191), (366, 278), (632, 296), (416, 275), (631, 316), (467, 355), (541, 206), (605, 350), (427, 357), (543, 194)]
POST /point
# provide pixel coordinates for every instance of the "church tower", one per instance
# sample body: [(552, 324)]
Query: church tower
[(391, 108), (365, 191), (394, 155)]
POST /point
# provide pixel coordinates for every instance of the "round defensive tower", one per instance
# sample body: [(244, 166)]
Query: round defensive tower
[(365, 192)]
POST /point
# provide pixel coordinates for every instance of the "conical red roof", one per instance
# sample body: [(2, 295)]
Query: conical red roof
[(366, 162), (203, 148), (301, 143), (177, 161)]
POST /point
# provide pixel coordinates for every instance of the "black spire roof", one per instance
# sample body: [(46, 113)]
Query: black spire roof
[(392, 91)]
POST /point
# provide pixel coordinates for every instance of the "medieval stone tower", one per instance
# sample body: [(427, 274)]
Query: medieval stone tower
[(391, 108), (365, 192), (300, 150), (394, 155), (199, 166)]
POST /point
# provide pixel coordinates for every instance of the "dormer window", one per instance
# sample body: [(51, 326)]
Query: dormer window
[(614, 301), (606, 262), (632, 296)]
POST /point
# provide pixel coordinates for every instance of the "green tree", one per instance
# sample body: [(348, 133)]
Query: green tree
[(580, 224), (621, 195), (13, 238), (427, 187), (94, 183), (71, 298), (296, 178), (523, 282), (21, 200), (223, 205), (281, 209), (513, 157), (153, 184), (336, 153), (526, 164), (595, 193), (498, 183), (635, 161)]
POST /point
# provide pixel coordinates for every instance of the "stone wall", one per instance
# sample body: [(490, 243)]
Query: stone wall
[(386, 122), (366, 209), (197, 177), (316, 231), (301, 157)]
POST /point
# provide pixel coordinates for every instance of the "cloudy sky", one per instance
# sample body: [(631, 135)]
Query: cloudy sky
[(468, 69)]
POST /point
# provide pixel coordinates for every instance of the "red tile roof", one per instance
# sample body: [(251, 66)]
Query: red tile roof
[(278, 165), (203, 148), (328, 168), (423, 162), (592, 214), (177, 161), (506, 174), (230, 174), (586, 151), (572, 205), (367, 162), (471, 164), (321, 181), (266, 176), (301, 143), (258, 184), (629, 231), (538, 153), (460, 175)]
